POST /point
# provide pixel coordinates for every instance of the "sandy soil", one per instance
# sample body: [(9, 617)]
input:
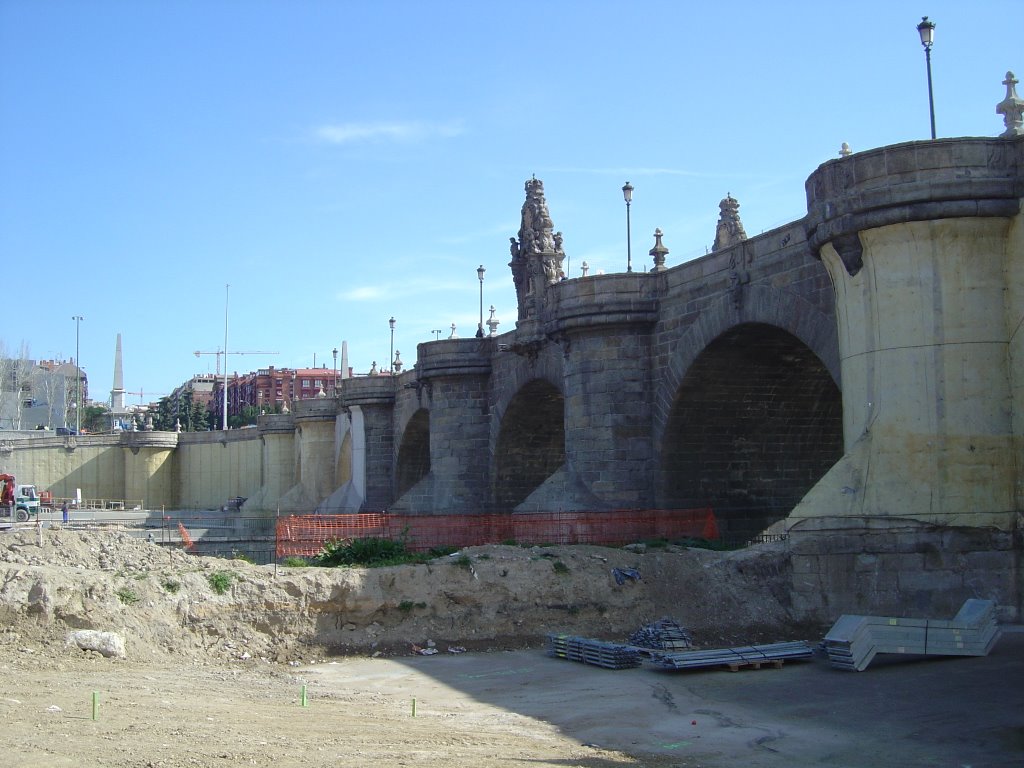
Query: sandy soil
[(213, 675)]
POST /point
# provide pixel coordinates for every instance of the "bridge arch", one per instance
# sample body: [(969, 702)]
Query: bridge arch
[(413, 460), (753, 425), (530, 443)]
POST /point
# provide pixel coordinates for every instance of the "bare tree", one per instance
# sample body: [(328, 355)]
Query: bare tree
[(14, 384)]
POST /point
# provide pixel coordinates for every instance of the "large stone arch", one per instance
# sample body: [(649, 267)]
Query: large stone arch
[(413, 452), (754, 424), (760, 303), (530, 444)]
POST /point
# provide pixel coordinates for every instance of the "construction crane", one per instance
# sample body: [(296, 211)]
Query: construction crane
[(218, 353), (142, 394)]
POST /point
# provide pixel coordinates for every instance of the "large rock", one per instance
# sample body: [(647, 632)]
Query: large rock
[(110, 644)]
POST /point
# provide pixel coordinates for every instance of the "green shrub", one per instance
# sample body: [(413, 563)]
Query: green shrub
[(367, 552), (171, 585), (560, 567), (463, 562), (443, 551), (127, 596), (407, 605), (236, 555), (220, 581), (294, 562)]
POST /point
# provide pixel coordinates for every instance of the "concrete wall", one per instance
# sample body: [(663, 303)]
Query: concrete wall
[(213, 467), (64, 465)]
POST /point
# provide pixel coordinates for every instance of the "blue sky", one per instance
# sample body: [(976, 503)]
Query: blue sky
[(339, 163)]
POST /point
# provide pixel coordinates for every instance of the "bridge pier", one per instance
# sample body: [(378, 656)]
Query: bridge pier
[(149, 468), (607, 382), (920, 240), (453, 378)]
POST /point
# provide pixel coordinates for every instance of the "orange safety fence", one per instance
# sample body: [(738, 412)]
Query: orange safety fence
[(305, 535), (186, 540)]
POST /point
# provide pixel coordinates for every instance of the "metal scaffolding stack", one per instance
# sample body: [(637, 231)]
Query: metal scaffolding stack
[(663, 635), (854, 641), (595, 652), (755, 656)]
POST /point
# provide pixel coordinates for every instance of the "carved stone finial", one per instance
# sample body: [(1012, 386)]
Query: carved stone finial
[(585, 268), (730, 228), (397, 365), (1011, 108), (453, 335), (537, 255), (373, 369), (658, 252), (492, 322), (845, 151)]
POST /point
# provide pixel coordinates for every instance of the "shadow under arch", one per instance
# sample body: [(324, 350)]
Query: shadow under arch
[(754, 424), (413, 452), (531, 443)]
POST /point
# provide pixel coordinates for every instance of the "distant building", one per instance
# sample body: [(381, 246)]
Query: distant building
[(271, 390), (39, 395)]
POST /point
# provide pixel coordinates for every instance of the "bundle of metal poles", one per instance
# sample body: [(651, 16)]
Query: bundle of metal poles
[(596, 652)]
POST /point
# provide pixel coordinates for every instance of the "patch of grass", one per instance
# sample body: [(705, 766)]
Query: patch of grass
[(443, 551), (220, 581), (236, 555), (407, 605), (127, 596), (463, 562), (484, 556), (560, 567), (171, 585), (659, 543), (367, 553), (294, 562)]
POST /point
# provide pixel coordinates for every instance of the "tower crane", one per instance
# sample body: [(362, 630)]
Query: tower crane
[(219, 352), (142, 394)]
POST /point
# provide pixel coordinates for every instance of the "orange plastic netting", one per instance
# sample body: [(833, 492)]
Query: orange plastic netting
[(305, 535)]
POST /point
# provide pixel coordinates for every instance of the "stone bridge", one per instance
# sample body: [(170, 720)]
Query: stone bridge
[(862, 361), (855, 379), (711, 383)]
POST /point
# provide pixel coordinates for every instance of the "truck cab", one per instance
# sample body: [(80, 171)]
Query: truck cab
[(27, 502)]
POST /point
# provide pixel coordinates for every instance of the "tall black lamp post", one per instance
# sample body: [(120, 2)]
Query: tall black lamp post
[(391, 357), (926, 29), (480, 328), (627, 195)]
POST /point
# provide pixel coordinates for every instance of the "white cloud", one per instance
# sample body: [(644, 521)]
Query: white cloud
[(413, 287), (411, 131)]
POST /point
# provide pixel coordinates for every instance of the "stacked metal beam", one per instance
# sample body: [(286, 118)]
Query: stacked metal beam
[(595, 652), (745, 656), (663, 634), (854, 641)]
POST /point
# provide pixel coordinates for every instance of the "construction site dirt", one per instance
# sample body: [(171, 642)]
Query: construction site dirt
[(238, 678)]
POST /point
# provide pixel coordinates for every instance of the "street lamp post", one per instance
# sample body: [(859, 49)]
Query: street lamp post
[(480, 327), (391, 354), (78, 375), (627, 195), (926, 29), (335, 353)]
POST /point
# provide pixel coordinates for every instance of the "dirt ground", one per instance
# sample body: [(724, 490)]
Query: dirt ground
[(217, 653)]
